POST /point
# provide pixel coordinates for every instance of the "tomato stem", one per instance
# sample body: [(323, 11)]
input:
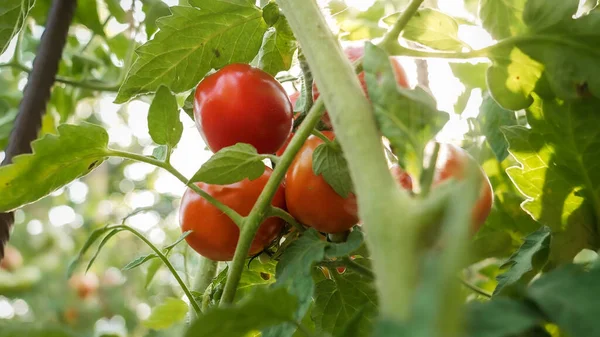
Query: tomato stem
[(233, 215), (429, 171), (167, 263), (260, 210), (280, 213), (392, 35), (390, 216), (475, 289), (320, 134)]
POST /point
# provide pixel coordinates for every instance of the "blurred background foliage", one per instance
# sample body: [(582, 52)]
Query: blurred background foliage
[(101, 43)]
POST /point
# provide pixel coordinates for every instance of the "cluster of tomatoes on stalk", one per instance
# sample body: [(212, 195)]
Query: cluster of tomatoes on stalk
[(242, 104)]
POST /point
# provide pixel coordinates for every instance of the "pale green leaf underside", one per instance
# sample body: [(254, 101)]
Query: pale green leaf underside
[(434, 29), (190, 43), (230, 165), (163, 316), (56, 161)]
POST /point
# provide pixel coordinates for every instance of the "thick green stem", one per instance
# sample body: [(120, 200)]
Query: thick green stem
[(207, 270), (287, 217), (260, 210), (167, 263), (382, 205), (235, 216), (393, 34)]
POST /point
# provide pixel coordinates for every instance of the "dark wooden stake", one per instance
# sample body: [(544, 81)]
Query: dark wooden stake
[(37, 93)]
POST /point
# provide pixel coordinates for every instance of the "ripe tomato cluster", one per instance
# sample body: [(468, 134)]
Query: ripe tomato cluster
[(242, 104)]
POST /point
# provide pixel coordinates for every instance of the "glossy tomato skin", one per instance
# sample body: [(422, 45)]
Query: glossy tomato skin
[(242, 104), (452, 163), (309, 197), (214, 235), (353, 53), (402, 177)]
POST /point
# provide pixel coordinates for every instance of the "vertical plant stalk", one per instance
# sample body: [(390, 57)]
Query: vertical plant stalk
[(262, 206), (382, 205), (207, 270), (37, 92)]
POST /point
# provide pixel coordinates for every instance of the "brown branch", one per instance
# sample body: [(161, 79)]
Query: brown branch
[(37, 93)]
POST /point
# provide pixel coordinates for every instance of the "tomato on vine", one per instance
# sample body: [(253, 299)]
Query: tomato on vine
[(242, 104), (402, 177), (453, 162), (309, 197), (215, 235), (353, 53), (12, 260)]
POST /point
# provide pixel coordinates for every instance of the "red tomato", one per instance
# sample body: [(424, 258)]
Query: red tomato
[(402, 177), (353, 54), (311, 200), (12, 260), (214, 235), (452, 163), (241, 104)]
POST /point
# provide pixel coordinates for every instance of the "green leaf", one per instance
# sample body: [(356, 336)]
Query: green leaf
[(163, 118), (357, 24), (524, 264), (491, 118), (329, 161), (115, 9), (472, 75), (100, 246), (160, 152), (562, 53), (230, 165), (278, 48), (179, 239), (119, 45), (32, 329), (87, 14), (557, 172), (12, 17), (191, 42), (542, 14), (338, 300), (167, 314), (140, 260), (431, 28), (271, 13), (565, 296), (96, 234), (512, 79), (408, 118), (152, 270), (262, 308), (501, 317), (55, 162), (294, 272), (502, 18), (153, 9), (188, 105)]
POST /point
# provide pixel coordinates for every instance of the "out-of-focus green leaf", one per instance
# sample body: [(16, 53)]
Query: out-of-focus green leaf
[(55, 162), (168, 313), (12, 17)]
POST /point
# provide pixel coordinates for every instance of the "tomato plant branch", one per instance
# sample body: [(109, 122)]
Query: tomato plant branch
[(382, 204), (167, 263), (475, 289), (260, 210), (287, 217), (235, 216), (320, 134), (92, 85), (429, 171), (392, 35)]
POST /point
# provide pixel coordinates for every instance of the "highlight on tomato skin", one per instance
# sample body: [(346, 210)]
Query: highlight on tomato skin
[(242, 104), (311, 200), (214, 235)]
